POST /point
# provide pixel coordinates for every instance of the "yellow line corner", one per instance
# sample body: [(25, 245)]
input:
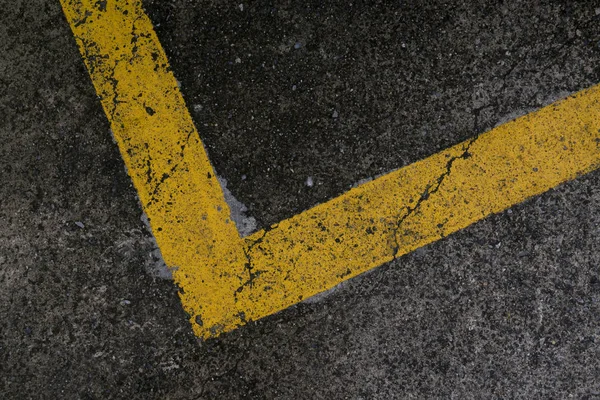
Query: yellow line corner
[(227, 281)]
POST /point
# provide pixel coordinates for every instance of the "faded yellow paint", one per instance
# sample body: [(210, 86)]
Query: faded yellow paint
[(423, 202), (165, 158), (227, 281)]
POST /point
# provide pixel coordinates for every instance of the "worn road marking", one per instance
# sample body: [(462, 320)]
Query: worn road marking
[(226, 280), (165, 158)]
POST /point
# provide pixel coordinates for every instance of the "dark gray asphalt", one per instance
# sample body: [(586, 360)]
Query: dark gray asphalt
[(507, 308), (372, 86)]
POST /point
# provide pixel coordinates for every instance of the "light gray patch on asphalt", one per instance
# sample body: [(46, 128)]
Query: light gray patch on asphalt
[(319, 297), (309, 181), (245, 224), (362, 181), (155, 264), (524, 111)]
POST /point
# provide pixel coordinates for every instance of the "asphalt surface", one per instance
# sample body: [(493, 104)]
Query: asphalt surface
[(280, 92)]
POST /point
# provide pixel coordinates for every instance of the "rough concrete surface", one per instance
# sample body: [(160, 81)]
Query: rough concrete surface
[(338, 92)]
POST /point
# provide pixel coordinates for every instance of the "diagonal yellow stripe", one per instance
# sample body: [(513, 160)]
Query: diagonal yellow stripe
[(163, 153), (423, 202), (227, 281)]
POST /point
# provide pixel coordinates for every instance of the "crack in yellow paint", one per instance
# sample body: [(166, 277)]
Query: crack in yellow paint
[(227, 281)]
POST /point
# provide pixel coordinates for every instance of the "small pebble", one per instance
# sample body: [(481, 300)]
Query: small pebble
[(335, 114), (241, 7), (309, 181), (80, 224), (297, 45), (125, 302)]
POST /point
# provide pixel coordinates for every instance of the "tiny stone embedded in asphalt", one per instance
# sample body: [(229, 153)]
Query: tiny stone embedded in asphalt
[(296, 103)]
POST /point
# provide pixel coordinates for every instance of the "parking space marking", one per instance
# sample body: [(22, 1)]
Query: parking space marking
[(423, 202), (169, 167), (226, 280)]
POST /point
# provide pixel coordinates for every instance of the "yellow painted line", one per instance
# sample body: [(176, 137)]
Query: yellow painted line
[(227, 281), (423, 202), (165, 158)]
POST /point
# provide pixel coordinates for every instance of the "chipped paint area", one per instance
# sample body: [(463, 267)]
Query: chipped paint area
[(246, 225)]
